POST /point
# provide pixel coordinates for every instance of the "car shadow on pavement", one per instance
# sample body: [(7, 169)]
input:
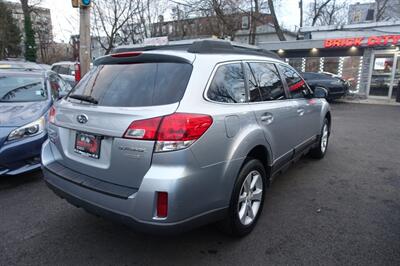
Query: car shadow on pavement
[(8, 182)]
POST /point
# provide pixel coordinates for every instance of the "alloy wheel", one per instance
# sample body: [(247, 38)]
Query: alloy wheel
[(250, 198)]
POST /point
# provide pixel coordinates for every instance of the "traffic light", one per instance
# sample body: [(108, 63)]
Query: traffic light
[(85, 3)]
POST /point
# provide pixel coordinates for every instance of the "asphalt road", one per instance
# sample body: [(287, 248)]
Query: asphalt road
[(343, 210)]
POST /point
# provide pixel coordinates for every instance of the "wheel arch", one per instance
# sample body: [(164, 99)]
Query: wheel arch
[(262, 153)]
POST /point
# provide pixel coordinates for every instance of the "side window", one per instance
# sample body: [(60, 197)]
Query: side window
[(268, 81), (71, 70), (297, 86), (227, 85), (65, 87), (64, 70), (54, 87), (254, 91), (55, 69)]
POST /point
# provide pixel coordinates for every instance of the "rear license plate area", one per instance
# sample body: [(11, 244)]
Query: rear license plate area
[(87, 145)]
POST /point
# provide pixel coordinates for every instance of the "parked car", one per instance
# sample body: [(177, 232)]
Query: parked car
[(19, 64), (336, 86), (25, 99), (66, 70), (171, 138)]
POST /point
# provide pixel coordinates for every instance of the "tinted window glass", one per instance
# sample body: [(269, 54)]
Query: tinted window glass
[(21, 89), (63, 70), (227, 85), (135, 84), (55, 86), (297, 87), (254, 92), (268, 81), (55, 68)]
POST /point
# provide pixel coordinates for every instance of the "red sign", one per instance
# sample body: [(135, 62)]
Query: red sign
[(363, 41)]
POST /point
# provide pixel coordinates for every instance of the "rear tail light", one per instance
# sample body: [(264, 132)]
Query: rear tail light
[(52, 115), (171, 132), (77, 71), (162, 204), (143, 129)]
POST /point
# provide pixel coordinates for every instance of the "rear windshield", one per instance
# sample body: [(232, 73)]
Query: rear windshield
[(132, 85), (21, 88)]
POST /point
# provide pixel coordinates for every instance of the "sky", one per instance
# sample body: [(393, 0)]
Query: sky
[(66, 19)]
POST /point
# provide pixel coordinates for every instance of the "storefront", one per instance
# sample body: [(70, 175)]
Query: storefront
[(366, 55)]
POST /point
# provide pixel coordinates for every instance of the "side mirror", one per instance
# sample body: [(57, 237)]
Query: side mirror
[(320, 92)]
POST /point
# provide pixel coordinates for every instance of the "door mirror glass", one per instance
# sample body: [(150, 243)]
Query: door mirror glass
[(320, 92)]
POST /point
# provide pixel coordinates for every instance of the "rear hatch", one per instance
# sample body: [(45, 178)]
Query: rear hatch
[(121, 89)]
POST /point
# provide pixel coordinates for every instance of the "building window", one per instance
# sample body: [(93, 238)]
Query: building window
[(296, 63), (331, 65), (351, 68), (312, 64)]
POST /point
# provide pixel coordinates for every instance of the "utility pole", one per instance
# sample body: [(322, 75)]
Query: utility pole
[(84, 36), (301, 13)]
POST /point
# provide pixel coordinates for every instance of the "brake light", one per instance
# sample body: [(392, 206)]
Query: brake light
[(180, 126), (77, 71), (162, 204), (126, 54), (52, 115), (143, 129), (172, 132)]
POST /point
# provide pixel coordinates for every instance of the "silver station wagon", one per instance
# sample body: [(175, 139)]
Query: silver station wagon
[(173, 137)]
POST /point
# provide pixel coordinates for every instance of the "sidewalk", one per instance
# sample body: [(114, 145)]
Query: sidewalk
[(355, 99)]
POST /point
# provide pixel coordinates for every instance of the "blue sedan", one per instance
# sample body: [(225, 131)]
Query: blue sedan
[(25, 100)]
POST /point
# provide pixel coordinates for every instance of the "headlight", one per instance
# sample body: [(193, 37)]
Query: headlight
[(31, 129)]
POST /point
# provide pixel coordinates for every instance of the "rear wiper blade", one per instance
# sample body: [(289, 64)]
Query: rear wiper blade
[(84, 98)]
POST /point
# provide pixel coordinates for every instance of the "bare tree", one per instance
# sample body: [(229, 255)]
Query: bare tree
[(254, 15), (277, 27), (109, 17), (387, 10), (335, 13), (316, 10), (381, 7), (301, 12), (140, 26), (227, 22)]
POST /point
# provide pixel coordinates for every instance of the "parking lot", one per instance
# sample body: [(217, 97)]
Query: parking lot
[(343, 210)]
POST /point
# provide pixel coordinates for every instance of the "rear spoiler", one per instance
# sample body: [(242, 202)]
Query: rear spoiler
[(135, 57)]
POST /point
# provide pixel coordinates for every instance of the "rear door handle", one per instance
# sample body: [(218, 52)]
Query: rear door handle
[(267, 118), (300, 111)]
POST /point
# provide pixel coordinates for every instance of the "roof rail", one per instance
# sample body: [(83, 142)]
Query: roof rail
[(203, 46)]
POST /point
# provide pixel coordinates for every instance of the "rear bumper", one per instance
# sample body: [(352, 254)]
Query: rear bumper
[(21, 156), (136, 207), (142, 226)]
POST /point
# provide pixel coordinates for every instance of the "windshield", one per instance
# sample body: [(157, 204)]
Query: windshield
[(133, 85), (22, 89)]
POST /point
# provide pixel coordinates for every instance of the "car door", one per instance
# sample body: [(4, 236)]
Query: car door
[(307, 123), (276, 115)]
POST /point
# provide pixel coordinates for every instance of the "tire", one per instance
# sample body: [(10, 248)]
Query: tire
[(319, 151), (239, 221)]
